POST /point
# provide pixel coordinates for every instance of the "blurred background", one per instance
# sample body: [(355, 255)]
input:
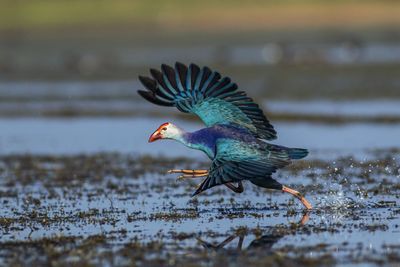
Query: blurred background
[(68, 68), (81, 186)]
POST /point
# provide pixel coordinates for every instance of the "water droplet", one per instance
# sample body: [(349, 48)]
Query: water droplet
[(387, 169)]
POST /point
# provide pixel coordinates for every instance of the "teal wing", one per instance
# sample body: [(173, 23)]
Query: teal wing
[(205, 93), (236, 161)]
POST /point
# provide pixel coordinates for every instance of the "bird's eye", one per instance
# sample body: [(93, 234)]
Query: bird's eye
[(164, 128)]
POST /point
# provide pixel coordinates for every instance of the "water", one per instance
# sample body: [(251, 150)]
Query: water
[(130, 135), (364, 108), (93, 188), (125, 200)]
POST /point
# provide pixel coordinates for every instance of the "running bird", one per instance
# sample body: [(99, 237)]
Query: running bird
[(237, 131)]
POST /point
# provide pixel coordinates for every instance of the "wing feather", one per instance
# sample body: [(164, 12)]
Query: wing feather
[(236, 161), (204, 93)]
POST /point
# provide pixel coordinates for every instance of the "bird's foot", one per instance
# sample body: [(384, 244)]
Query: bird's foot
[(189, 173), (185, 176), (192, 172), (297, 195)]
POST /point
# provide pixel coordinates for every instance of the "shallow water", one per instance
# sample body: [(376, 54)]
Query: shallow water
[(110, 204), (115, 201), (130, 135)]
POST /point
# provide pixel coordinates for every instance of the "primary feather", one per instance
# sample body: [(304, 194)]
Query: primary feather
[(204, 93)]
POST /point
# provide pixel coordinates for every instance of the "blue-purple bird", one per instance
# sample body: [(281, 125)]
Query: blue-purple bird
[(236, 133)]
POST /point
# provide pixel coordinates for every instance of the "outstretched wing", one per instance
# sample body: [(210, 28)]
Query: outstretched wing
[(236, 161), (203, 92)]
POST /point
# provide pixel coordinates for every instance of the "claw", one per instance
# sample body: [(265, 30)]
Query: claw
[(180, 178)]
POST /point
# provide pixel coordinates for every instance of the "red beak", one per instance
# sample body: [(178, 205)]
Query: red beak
[(155, 136)]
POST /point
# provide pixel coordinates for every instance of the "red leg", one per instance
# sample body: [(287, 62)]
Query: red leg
[(297, 195)]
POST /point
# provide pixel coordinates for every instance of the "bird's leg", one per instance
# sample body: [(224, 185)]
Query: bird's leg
[(297, 195), (181, 177), (305, 218), (239, 189), (205, 172), (190, 173), (202, 173)]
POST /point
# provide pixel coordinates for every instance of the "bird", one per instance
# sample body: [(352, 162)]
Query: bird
[(237, 133)]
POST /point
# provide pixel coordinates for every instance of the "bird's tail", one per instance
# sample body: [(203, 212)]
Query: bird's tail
[(287, 152), (297, 153)]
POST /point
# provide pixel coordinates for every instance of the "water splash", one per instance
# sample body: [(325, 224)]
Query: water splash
[(335, 198), (340, 201), (340, 194)]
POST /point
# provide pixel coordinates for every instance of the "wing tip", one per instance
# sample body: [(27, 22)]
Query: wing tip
[(156, 74), (179, 64), (151, 97), (203, 186), (192, 65), (165, 68), (148, 83), (196, 193)]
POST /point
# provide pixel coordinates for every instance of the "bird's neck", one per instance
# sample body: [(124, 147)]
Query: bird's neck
[(185, 138), (178, 135), (194, 141)]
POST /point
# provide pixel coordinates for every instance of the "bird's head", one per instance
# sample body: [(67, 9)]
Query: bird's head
[(166, 131)]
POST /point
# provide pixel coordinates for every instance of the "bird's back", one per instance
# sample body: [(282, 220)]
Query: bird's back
[(235, 143), (211, 137)]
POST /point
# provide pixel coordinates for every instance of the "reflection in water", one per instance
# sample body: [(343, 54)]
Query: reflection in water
[(265, 242)]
